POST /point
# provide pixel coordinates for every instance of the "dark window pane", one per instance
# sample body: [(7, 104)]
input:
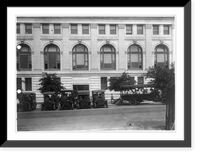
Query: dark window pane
[(155, 29), (45, 29), (52, 60), (103, 82), (101, 29), (166, 30), (74, 29), (57, 29), (28, 28), (129, 29), (139, 29), (28, 84), (24, 61), (19, 83), (18, 28), (112, 29), (85, 29)]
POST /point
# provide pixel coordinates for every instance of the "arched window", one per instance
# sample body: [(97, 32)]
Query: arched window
[(107, 57), (24, 57), (161, 56), (80, 57), (51, 57), (134, 57)]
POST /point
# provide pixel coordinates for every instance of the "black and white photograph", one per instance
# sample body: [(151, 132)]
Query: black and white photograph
[(95, 73), (99, 77)]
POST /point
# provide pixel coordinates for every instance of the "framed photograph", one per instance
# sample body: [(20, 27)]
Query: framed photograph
[(106, 77)]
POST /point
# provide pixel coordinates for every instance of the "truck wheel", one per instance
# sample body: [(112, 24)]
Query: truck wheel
[(132, 102)]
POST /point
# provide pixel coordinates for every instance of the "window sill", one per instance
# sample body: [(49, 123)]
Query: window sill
[(51, 69)]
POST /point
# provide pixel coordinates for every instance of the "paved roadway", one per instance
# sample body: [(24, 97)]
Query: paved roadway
[(146, 116)]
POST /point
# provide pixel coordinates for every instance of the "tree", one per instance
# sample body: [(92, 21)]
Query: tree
[(50, 82), (164, 79), (117, 82)]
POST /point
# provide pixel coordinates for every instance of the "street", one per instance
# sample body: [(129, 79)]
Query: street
[(146, 116)]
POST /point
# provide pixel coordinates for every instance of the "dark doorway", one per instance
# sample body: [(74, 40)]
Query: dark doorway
[(80, 87)]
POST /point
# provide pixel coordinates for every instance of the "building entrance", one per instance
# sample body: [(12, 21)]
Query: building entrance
[(80, 87)]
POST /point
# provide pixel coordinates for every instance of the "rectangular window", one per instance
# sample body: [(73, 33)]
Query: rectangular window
[(52, 61), (112, 29), (155, 29), (28, 84), (103, 82), (74, 29), (128, 29), (134, 61), (57, 29), (18, 28), (107, 61), (19, 83), (102, 29), (85, 29), (45, 28), (140, 80), (139, 29), (28, 28), (166, 29), (80, 61), (24, 61)]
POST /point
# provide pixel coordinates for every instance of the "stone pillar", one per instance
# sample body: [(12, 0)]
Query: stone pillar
[(134, 29), (66, 57), (23, 83), (161, 30), (122, 59), (38, 59), (95, 57), (149, 55)]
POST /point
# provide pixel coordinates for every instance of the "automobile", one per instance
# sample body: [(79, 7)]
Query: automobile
[(83, 100), (51, 101), (26, 101), (136, 94), (98, 99), (68, 99)]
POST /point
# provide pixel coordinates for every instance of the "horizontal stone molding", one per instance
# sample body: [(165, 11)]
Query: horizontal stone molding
[(148, 26), (51, 38), (162, 38), (65, 25), (121, 26), (25, 38), (36, 25), (79, 38), (108, 38), (93, 26), (135, 38)]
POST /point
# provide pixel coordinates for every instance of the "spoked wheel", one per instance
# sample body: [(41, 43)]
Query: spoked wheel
[(132, 102)]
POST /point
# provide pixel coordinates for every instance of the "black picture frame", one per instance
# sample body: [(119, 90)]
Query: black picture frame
[(4, 142)]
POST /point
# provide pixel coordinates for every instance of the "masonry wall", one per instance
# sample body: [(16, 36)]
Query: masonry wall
[(93, 41)]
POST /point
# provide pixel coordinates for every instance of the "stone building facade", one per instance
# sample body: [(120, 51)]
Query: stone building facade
[(85, 51)]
